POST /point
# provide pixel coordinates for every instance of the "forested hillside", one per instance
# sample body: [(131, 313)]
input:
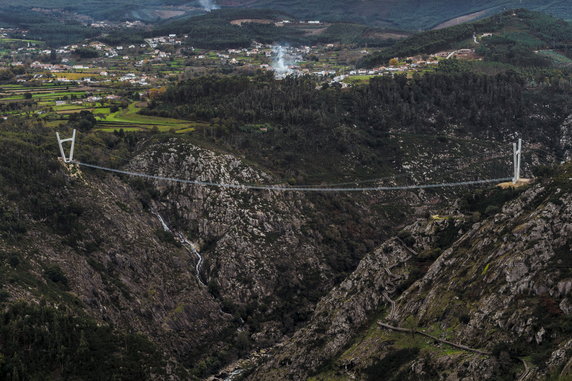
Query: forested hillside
[(46, 334), (61, 22), (515, 39), (335, 123), (56, 31), (216, 31), (407, 14)]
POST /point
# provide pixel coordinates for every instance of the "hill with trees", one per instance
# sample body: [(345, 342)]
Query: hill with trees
[(218, 30), (513, 37), (403, 15), (406, 14)]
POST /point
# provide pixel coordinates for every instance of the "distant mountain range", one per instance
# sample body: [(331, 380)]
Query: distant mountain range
[(402, 14)]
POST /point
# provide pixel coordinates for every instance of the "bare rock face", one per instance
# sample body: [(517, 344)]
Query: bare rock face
[(256, 244), (338, 315), (267, 256), (502, 287), (566, 138)]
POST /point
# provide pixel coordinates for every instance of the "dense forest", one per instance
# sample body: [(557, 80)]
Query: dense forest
[(263, 116), (385, 102), (41, 342), (44, 27)]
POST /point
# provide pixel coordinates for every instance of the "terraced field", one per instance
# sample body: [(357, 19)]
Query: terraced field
[(52, 102), (130, 120), (55, 103)]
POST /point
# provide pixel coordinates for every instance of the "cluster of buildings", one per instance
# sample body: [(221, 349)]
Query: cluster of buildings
[(136, 79), (135, 60), (288, 22), (7, 32), (110, 25), (171, 39)]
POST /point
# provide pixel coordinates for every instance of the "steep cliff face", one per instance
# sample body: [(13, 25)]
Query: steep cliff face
[(138, 277), (566, 138), (268, 256), (209, 274), (340, 313), (501, 285), (205, 273), (118, 268)]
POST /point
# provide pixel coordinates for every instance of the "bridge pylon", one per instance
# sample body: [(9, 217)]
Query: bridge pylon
[(517, 156), (65, 158)]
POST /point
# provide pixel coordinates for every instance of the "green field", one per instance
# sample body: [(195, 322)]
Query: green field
[(44, 96), (43, 101), (12, 40), (359, 79), (129, 120), (99, 112)]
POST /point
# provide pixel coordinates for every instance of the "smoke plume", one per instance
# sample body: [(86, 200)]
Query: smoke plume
[(282, 61), (208, 5)]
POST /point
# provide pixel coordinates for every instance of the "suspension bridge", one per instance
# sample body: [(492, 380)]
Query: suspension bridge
[(69, 159)]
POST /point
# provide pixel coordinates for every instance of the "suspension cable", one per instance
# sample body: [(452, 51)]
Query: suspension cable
[(293, 188)]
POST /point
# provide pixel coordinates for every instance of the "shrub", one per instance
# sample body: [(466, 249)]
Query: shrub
[(14, 260), (389, 365), (491, 210), (55, 274), (167, 237)]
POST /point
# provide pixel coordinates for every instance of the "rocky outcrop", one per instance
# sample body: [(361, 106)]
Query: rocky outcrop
[(501, 287), (256, 244), (268, 256), (120, 271), (347, 308), (566, 139)]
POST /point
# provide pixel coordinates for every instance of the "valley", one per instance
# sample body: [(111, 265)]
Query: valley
[(255, 195)]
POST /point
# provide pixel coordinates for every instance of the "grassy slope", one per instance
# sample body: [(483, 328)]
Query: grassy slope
[(130, 120)]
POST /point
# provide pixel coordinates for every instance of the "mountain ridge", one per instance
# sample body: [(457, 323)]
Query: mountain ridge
[(387, 13)]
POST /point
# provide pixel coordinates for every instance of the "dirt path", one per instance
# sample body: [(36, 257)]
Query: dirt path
[(413, 331)]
